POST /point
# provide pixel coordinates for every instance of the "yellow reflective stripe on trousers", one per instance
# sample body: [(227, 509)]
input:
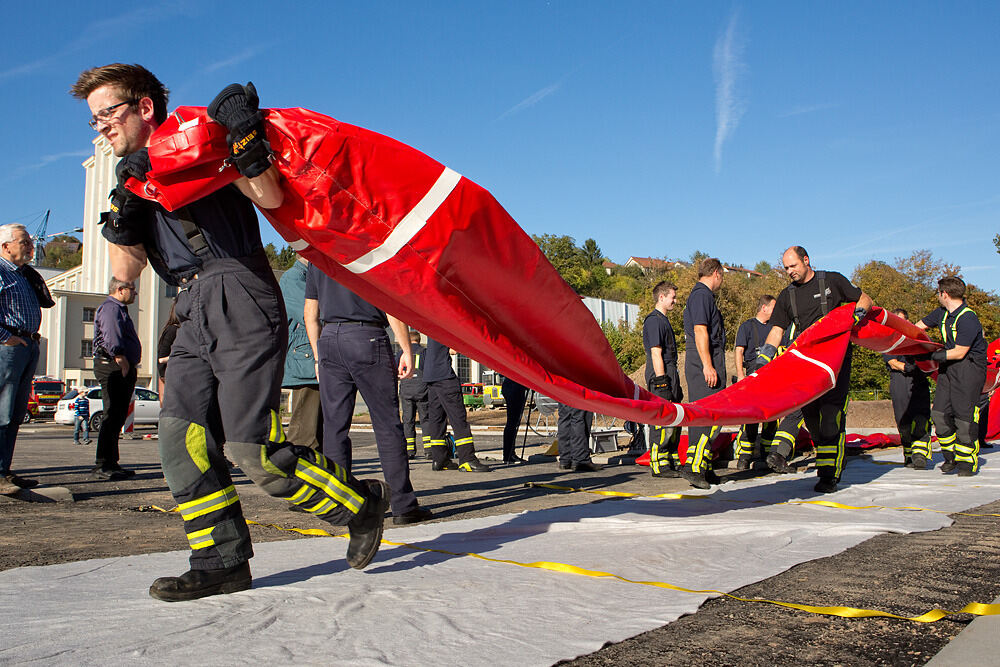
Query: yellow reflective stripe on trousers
[(208, 504), (200, 539), (335, 488), (438, 443), (304, 493), (463, 441), (277, 434)]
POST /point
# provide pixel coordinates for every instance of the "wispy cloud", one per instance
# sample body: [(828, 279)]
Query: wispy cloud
[(46, 160), (806, 108), (727, 63), (94, 33), (531, 100), (240, 57)]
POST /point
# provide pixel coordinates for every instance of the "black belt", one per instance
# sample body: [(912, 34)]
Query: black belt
[(377, 325), (23, 333)]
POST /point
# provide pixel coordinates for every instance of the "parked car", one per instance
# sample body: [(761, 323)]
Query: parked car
[(147, 407), (45, 393)]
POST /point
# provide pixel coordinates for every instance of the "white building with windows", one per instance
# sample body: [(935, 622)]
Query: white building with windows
[(68, 327)]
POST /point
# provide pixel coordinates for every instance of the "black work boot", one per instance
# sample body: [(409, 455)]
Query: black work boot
[(195, 584), (826, 484), (744, 462), (447, 464), (695, 479), (777, 463), (919, 462), (965, 469), (475, 465), (366, 526), (949, 462)]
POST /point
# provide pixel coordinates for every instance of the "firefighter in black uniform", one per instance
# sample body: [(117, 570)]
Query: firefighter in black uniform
[(782, 444), (911, 405), (353, 354), (515, 395), (573, 434), (444, 395), (413, 398), (812, 295), (226, 362), (704, 367), (961, 376), (662, 378), (749, 339)]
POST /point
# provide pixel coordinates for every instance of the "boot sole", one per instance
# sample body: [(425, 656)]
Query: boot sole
[(220, 589)]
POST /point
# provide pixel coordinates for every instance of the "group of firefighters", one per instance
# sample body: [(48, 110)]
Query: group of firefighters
[(959, 404)]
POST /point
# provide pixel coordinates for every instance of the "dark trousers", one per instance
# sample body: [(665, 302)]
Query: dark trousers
[(355, 358), (445, 406), (413, 401), (664, 440), (959, 386), (700, 438), (911, 406), (573, 432), (786, 434), (746, 439), (17, 368), (825, 419), (229, 392), (305, 427), (116, 394), (514, 395)]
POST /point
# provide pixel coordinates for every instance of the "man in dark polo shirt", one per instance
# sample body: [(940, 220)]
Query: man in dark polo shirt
[(811, 295), (961, 376), (445, 406), (353, 354), (662, 378), (749, 339), (704, 366), (116, 356)]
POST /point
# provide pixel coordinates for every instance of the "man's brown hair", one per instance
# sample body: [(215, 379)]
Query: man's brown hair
[(763, 301), (662, 287), (953, 286), (134, 82), (708, 267)]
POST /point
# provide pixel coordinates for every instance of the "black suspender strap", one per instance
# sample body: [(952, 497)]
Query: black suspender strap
[(824, 301), (194, 236)]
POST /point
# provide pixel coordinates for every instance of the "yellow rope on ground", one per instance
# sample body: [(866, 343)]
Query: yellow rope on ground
[(974, 608), (702, 496)]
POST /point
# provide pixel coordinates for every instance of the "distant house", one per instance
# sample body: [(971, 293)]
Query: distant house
[(749, 273), (609, 266), (647, 264)]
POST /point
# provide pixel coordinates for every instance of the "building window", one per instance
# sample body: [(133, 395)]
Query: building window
[(464, 372), (88, 314), (86, 348)]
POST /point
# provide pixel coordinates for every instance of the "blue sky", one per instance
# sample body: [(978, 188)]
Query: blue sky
[(859, 130)]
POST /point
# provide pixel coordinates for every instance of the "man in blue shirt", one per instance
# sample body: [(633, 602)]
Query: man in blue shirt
[(116, 357), (81, 417), (960, 377), (704, 367), (20, 317)]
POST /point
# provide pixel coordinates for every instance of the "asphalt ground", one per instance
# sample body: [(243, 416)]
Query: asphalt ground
[(903, 574)]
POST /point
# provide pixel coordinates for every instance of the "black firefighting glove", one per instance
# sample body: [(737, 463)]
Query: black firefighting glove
[(238, 108), (909, 368), (124, 221), (660, 385), (765, 354), (939, 355), (859, 314)]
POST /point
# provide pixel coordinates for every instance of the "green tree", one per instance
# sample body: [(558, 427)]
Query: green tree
[(763, 266), (58, 256), (279, 260), (626, 342), (580, 267)]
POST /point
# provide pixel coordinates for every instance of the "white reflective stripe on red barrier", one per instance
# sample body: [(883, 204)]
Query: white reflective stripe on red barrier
[(412, 223)]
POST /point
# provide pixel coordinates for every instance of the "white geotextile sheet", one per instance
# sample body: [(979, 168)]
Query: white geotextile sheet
[(413, 608)]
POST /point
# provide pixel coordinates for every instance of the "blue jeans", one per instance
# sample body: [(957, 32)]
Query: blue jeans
[(17, 368), (82, 424)]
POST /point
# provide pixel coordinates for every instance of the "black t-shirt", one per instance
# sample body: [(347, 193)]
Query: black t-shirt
[(437, 362), (339, 304), (750, 336), (960, 327), (839, 290), (226, 218), (701, 309), (657, 332)]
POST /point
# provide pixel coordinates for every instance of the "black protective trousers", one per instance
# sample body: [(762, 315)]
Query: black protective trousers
[(413, 401), (116, 394), (445, 406), (225, 386), (959, 386), (825, 420)]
